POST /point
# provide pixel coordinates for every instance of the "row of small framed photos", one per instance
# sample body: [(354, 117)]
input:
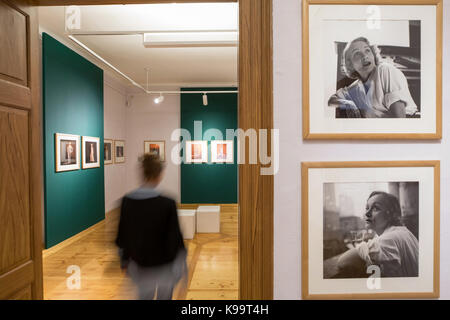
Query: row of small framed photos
[(197, 151), (222, 151), (113, 151), (67, 152)]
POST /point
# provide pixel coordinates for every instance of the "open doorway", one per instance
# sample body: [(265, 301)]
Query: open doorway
[(21, 272), (165, 67)]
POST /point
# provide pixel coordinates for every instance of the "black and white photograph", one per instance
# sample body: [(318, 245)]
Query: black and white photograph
[(91, 152), (67, 152), (372, 71), (370, 224), (376, 80), (370, 229)]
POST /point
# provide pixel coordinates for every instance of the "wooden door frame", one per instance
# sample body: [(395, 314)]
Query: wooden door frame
[(25, 97), (255, 112)]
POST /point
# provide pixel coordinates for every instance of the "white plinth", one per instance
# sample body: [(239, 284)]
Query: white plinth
[(186, 219), (208, 219)]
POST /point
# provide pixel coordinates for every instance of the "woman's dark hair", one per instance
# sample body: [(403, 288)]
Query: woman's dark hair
[(151, 166), (347, 65), (393, 207)]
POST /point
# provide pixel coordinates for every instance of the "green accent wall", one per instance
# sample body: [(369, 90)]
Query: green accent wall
[(209, 182), (72, 104)]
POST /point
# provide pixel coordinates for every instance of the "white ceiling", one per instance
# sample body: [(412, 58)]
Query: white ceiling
[(198, 66)]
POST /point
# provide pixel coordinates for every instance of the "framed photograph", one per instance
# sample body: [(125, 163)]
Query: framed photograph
[(370, 230), (196, 151), (108, 151), (91, 152), (67, 152), (372, 69), (222, 151), (119, 151), (156, 147)]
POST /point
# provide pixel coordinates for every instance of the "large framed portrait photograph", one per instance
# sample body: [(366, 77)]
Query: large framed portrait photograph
[(91, 152), (196, 151), (108, 151), (370, 230), (157, 148), (67, 152), (372, 71)]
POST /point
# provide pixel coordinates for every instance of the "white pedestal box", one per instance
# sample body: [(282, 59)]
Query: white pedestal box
[(187, 219), (208, 219)]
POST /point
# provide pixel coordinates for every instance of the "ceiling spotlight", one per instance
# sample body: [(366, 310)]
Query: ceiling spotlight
[(159, 99), (205, 99)]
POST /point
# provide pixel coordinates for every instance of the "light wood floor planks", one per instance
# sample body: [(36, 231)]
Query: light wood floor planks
[(212, 261)]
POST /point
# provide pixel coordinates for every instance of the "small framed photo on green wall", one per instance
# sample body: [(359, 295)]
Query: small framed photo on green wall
[(222, 151), (67, 154), (91, 152), (196, 151)]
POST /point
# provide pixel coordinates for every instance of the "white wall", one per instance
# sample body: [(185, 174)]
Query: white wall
[(287, 39), (114, 95), (147, 121)]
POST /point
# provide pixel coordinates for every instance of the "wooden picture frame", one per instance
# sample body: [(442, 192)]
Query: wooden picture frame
[(157, 146), (416, 186), (108, 151), (406, 69), (67, 152), (119, 151), (255, 97), (196, 151), (90, 152)]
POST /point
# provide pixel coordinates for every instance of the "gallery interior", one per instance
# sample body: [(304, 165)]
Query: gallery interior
[(88, 87), (127, 79)]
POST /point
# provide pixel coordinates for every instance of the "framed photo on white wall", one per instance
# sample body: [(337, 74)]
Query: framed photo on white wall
[(119, 151), (372, 70), (370, 230), (157, 148), (196, 151), (108, 151)]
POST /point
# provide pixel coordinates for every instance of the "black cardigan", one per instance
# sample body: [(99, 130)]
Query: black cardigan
[(149, 232)]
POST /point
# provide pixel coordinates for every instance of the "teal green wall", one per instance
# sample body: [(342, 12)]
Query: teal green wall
[(73, 104), (209, 183)]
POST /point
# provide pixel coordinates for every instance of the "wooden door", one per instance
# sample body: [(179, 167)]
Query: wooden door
[(20, 153)]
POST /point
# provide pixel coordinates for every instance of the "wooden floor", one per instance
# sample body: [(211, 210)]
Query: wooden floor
[(212, 263)]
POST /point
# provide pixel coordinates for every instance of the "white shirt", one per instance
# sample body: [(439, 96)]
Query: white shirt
[(396, 251), (386, 85)]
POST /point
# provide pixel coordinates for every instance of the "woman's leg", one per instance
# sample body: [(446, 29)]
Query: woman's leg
[(146, 290), (144, 280), (164, 292)]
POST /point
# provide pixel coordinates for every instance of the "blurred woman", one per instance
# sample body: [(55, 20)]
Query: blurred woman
[(149, 238)]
